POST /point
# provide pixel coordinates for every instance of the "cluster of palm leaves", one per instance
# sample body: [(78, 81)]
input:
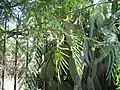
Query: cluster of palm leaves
[(68, 44)]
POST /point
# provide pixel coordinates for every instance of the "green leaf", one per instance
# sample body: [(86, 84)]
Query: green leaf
[(97, 84), (94, 70), (90, 83), (48, 69), (104, 53), (109, 64), (74, 73), (99, 20), (62, 53), (91, 23), (86, 51), (57, 54)]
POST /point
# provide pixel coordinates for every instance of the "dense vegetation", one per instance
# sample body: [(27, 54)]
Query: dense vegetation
[(60, 44)]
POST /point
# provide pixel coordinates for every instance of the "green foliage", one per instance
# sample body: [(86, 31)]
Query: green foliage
[(60, 38)]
